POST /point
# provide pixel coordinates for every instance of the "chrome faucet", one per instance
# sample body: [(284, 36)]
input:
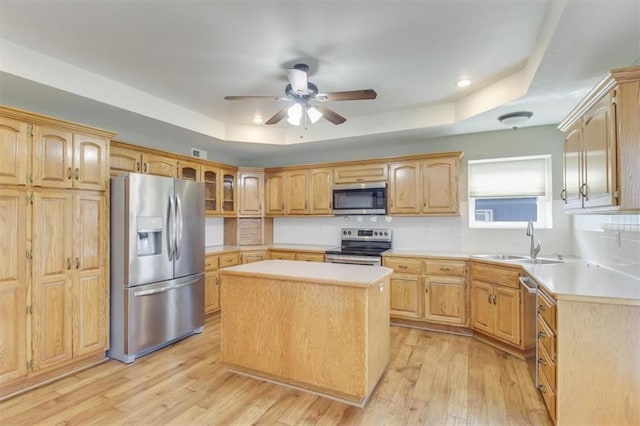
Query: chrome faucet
[(535, 248)]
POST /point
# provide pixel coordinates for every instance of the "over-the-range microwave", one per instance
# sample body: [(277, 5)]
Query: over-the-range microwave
[(360, 198)]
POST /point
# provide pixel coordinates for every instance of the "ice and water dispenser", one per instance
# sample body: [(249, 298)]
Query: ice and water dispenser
[(149, 236)]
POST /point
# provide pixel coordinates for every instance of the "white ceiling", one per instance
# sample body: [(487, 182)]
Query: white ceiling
[(171, 62)]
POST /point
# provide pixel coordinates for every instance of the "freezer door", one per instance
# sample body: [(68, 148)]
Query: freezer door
[(149, 230), (189, 205)]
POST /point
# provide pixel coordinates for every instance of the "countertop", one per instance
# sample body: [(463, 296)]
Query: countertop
[(289, 247), (329, 273)]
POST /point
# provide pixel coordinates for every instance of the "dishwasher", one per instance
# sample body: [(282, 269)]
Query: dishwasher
[(531, 288)]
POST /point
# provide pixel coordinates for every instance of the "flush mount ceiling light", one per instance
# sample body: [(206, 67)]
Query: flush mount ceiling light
[(463, 82), (515, 119)]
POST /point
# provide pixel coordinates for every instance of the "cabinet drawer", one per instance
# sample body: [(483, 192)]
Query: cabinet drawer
[(229, 259), (547, 309), (282, 255), (496, 275), (546, 338), (548, 395), (404, 265), (310, 257), (365, 173), (444, 267), (210, 263), (547, 366)]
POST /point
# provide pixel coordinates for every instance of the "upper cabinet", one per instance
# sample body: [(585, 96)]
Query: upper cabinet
[(159, 165), (321, 191), (228, 192), (355, 173), (189, 170), (124, 160), (287, 192), (250, 192), (14, 154), (425, 187), (210, 176), (602, 146)]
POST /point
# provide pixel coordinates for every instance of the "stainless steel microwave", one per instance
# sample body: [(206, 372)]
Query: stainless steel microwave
[(360, 198)]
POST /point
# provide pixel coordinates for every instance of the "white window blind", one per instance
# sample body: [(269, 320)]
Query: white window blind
[(509, 177)]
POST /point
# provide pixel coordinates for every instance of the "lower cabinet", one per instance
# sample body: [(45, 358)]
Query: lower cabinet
[(306, 256), (253, 256), (212, 264), (430, 290)]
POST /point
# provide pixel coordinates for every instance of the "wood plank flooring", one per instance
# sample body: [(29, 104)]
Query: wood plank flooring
[(432, 378)]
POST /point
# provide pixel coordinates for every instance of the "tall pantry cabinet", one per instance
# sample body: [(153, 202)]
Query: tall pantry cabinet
[(54, 253)]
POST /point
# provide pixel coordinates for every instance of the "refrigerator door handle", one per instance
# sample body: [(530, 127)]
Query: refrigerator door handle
[(163, 289), (178, 245), (170, 228)]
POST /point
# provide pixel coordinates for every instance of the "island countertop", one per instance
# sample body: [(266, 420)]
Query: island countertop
[(330, 273)]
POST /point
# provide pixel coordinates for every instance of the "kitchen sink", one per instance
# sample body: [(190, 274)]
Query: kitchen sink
[(539, 261)]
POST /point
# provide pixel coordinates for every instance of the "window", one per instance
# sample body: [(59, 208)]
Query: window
[(509, 192)]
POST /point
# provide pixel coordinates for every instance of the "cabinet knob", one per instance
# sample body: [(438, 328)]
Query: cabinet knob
[(542, 335), (402, 266), (541, 361)]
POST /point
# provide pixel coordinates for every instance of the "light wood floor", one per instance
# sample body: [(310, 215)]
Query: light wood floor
[(432, 378)]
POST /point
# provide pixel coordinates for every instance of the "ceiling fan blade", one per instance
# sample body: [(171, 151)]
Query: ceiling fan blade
[(350, 95), (278, 116), (330, 115), (263, 98), (298, 80)]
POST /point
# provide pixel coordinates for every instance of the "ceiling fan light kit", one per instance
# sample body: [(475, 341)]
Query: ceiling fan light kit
[(515, 119), (304, 95)]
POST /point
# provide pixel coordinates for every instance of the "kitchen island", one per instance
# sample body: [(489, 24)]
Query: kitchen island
[(319, 327)]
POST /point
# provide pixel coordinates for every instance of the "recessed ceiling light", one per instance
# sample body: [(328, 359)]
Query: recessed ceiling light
[(463, 83), (257, 119)]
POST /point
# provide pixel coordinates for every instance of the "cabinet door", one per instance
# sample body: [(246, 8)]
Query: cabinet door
[(52, 157), (90, 162), (52, 278), (251, 193), (90, 292), (211, 292), (406, 296), (506, 307), (404, 187), (282, 255), (572, 158), (123, 160), (275, 193), (371, 172), (189, 171), (159, 165), (444, 300), (440, 186), (13, 285), (253, 256), (296, 199), (211, 179), (599, 159), (228, 192), (482, 306), (14, 151), (320, 191)]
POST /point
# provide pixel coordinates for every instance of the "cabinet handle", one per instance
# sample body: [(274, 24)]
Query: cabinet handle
[(402, 266), (542, 308), (542, 335), (494, 299), (426, 288), (69, 173), (541, 361), (563, 195), (137, 166), (76, 173), (489, 299), (77, 263), (542, 389), (359, 179), (68, 263), (445, 269), (282, 206), (583, 190), (146, 167), (391, 202)]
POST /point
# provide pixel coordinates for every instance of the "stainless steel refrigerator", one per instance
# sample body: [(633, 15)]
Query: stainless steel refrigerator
[(157, 263)]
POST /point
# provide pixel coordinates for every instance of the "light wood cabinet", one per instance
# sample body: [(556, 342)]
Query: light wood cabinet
[(253, 256), (406, 296), (14, 151), (124, 160), (296, 192), (189, 170), (275, 193), (282, 255), (62, 159), (70, 291), (321, 191), (211, 178), (601, 150), (159, 165), (497, 307), (445, 295), (429, 186), (211, 284), (13, 284), (355, 173), (228, 202), (251, 193), (302, 256)]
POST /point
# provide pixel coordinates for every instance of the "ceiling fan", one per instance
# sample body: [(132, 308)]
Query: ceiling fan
[(306, 99)]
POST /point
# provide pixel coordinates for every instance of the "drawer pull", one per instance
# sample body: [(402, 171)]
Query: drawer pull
[(402, 266), (541, 361), (489, 299), (494, 299), (542, 389), (542, 308), (445, 269), (542, 335)]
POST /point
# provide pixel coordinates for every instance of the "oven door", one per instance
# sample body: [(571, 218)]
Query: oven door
[(353, 259)]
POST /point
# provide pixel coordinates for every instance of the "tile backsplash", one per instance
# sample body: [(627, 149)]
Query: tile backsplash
[(610, 240)]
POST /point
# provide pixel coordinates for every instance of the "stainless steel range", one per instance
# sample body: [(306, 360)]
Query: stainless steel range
[(360, 247)]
